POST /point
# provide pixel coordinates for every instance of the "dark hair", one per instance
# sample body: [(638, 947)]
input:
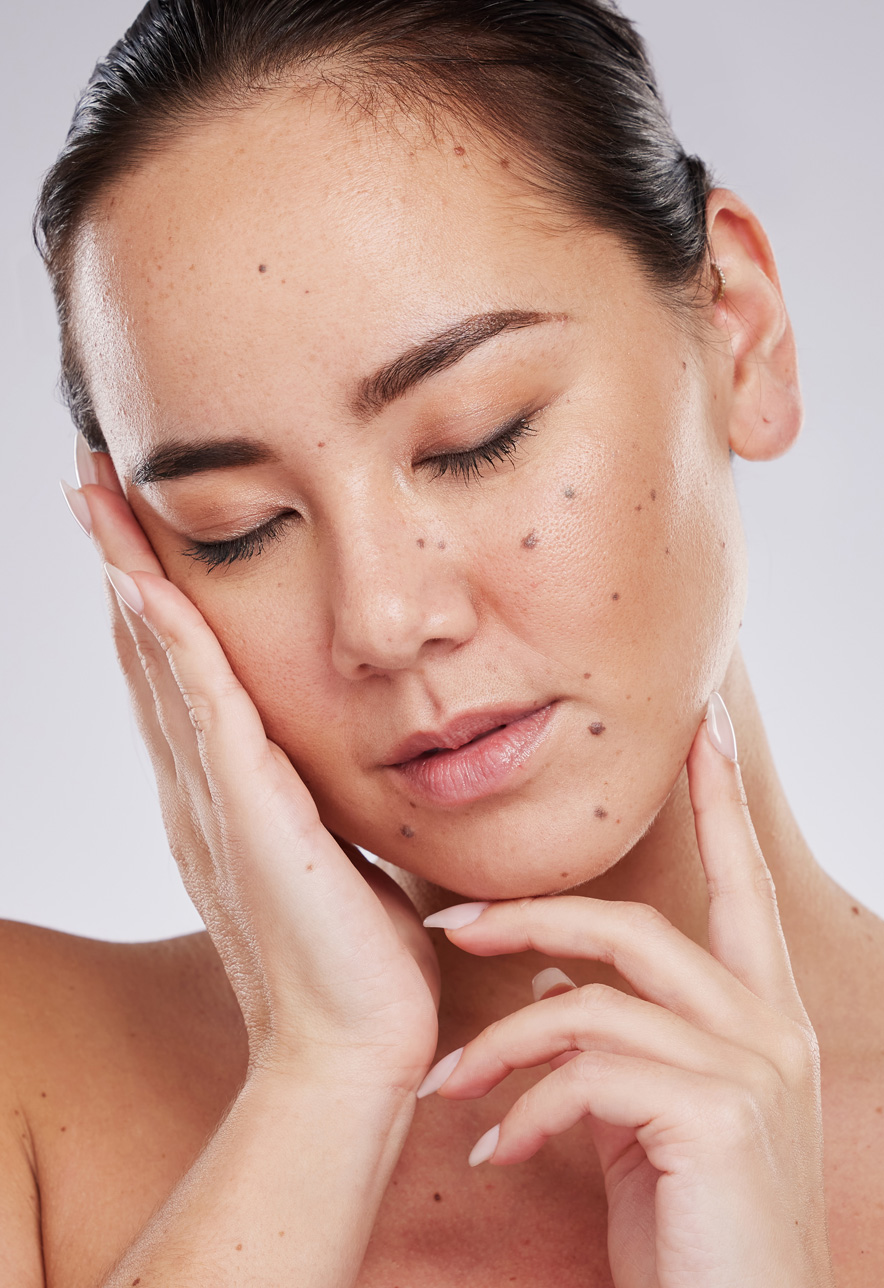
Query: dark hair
[(569, 81)]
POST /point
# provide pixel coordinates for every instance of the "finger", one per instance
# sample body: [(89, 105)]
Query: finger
[(745, 934), (660, 1103), (161, 713), (234, 749), (594, 1017), (660, 963)]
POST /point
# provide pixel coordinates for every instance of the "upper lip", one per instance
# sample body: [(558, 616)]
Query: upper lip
[(461, 729)]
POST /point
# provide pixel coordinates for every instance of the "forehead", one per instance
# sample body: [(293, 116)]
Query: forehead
[(288, 247)]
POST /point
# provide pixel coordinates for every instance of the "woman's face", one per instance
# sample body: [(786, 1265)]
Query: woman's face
[(249, 305)]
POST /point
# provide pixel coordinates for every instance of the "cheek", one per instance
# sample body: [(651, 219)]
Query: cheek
[(630, 569)]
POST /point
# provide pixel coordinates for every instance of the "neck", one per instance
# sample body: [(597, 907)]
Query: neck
[(664, 870)]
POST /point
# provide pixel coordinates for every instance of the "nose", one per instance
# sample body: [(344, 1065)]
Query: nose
[(398, 597)]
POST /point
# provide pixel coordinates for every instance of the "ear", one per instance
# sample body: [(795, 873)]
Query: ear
[(766, 409)]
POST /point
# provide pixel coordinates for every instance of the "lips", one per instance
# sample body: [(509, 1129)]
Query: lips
[(476, 755), (458, 732)]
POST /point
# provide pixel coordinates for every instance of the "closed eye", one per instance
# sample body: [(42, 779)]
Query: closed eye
[(218, 554), (494, 451)]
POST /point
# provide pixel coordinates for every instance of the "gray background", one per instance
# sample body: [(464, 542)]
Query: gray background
[(784, 98)]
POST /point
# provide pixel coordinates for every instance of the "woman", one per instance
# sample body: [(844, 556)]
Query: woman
[(409, 352)]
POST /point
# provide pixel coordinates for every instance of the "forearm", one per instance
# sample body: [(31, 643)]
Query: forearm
[(286, 1191)]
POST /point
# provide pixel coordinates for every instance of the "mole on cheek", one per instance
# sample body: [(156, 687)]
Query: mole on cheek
[(420, 542), (406, 830), (262, 268), (459, 151), (601, 813), (596, 728), (569, 493), (531, 540), (616, 594)]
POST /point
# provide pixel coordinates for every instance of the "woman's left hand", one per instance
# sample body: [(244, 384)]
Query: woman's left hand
[(702, 1093)]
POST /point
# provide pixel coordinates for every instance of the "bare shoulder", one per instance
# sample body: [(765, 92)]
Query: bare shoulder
[(118, 1061), (67, 1001)]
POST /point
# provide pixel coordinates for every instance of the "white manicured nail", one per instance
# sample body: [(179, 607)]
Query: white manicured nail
[(125, 588), (721, 731), (440, 1072), (77, 506), (484, 1146), (455, 917), (86, 469), (549, 979)]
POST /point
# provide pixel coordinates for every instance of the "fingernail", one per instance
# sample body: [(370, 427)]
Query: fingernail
[(439, 1073), (78, 506), (125, 588), (453, 918), (485, 1146), (721, 731), (549, 979), (84, 465)]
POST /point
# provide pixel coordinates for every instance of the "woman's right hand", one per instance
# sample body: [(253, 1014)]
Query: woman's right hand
[(335, 976)]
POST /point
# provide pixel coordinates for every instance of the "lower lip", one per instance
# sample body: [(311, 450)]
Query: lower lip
[(479, 768)]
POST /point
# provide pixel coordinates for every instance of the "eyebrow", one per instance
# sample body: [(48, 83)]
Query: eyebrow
[(178, 459)]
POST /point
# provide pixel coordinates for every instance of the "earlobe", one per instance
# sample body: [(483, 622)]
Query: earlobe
[(766, 410)]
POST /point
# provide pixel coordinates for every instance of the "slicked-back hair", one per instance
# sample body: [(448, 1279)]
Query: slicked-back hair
[(566, 82)]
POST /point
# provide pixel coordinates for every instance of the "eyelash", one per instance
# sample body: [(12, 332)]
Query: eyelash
[(465, 465)]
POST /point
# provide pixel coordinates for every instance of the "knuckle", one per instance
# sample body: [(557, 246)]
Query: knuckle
[(591, 998), (737, 1116), (586, 1067), (641, 917), (798, 1053)]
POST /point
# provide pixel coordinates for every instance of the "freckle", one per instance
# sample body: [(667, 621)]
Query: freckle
[(406, 830), (684, 366), (530, 541), (438, 1198), (563, 874), (281, 1233), (596, 728), (649, 697), (505, 161), (667, 550), (136, 1281), (413, 804), (879, 1109), (43, 1094), (441, 545), (616, 820), (420, 542), (855, 910), (569, 493), (628, 697), (63, 1129), (601, 813), (17, 1113), (309, 867), (320, 444), (282, 282), (638, 507), (653, 495), (587, 675), (306, 290), (723, 544), (616, 594), (262, 268), (239, 1247), (192, 267), (459, 151)]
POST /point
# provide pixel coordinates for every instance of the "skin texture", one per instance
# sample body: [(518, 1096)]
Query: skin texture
[(382, 637), (244, 282)]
